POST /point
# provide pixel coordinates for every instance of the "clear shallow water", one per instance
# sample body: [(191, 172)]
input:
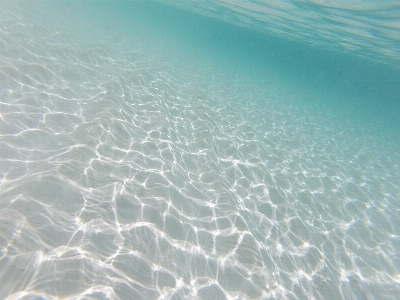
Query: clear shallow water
[(149, 153)]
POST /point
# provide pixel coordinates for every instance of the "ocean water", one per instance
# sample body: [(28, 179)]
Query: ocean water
[(199, 149)]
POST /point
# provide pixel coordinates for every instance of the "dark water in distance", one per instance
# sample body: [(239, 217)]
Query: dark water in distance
[(229, 150)]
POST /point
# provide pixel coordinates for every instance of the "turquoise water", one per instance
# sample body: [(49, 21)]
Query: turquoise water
[(217, 150)]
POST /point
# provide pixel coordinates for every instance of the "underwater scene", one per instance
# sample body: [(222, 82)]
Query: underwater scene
[(205, 149)]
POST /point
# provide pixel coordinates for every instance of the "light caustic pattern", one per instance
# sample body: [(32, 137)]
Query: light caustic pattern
[(123, 178)]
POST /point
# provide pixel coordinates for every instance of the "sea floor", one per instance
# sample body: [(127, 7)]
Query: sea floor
[(131, 169)]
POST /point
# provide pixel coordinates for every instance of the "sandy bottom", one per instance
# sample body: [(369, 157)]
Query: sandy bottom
[(124, 176)]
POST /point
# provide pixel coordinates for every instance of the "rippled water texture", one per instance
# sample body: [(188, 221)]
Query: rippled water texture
[(368, 28), (142, 163)]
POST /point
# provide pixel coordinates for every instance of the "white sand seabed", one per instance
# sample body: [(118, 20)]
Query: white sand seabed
[(127, 175)]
